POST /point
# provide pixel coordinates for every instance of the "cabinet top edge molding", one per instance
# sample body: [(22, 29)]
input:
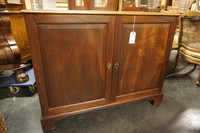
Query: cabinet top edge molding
[(90, 12)]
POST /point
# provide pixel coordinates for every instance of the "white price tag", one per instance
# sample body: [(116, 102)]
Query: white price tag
[(132, 37)]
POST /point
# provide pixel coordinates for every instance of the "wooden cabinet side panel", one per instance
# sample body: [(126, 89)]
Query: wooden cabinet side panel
[(37, 62), (172, 29)]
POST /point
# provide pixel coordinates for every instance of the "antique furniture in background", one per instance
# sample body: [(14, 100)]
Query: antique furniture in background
[(16, 6), (2, 5), (10, 55), (19, 33), (83, 60), (175, 41), (141, 5), (10, 58), (130, 5), (189, 39), (18, 27), (14, 47), (93, 4), (81, 4)]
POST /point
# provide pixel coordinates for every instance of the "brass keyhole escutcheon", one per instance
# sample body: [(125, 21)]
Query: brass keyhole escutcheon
[(116, 65), (109, 65)]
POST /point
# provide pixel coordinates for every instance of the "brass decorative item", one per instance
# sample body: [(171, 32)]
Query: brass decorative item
[(109, 65), (116, 65)]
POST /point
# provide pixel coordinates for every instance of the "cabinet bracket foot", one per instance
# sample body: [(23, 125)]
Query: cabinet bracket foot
[(48, 124), (156, 100)]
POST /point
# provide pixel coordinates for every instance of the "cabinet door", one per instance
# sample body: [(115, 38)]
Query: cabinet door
[(70, 61), (141, 65)]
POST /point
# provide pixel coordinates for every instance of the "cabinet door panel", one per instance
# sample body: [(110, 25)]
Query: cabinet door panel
[(74, 59), (141, 63)]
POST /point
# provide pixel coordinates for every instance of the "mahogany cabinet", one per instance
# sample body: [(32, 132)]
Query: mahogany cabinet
[(83, 60)]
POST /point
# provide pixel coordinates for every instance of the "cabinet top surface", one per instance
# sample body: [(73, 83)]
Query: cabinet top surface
[(94, 12)]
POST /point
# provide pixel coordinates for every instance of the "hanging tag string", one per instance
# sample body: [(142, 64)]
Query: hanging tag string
[(134, 18), (132, 36)]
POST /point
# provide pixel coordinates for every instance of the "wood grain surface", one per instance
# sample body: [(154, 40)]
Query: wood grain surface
[(140, 63), (19, 33), (9, 52), (71, 55)]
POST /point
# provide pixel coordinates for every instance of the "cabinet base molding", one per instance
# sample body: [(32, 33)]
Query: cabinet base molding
[(48, 122)]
